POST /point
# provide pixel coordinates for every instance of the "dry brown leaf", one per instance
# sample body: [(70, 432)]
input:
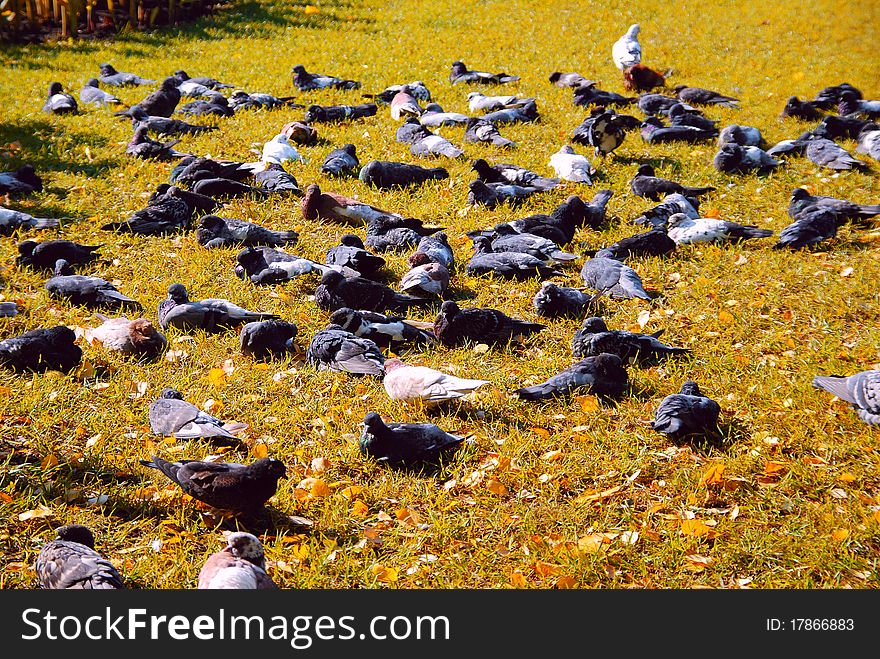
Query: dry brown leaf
[(541, 432), (714, 475), (592, 496), (359, 509), (259, 450), (725, 317), (36, 513), (543, 569), (49, 461), (518, 579), (566, 582), (496, 487)]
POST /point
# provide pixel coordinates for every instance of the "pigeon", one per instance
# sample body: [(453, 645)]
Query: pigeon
[(60, 102), (385, 331), (405, 105), (242, 100), (655, 242), (672, 203), (21, 182), (160, 103), (225, 485), (834, 127), (552, 301), (571, 79), (405, 382), (742, 135), (593, 338), (656, 104), (143, 146), (428, 278), (830, 155), (336, 291), (268, 339), (210, 314), (434, 117), (455, 326), (461, 74), (406, 445), (478, 102), (646, 184), (114, 78), (279, 149), (264, 265), (138, 337), (507, 173), (90, 292), (165, 125), (92, 93), (274, 180), (686, 414), (170, 415), (700, 96), (480, 130), (336, 349), (803, 110), (435, 248), (627, 51), (8, 309), (396, 234), (509, 265), (336, 113), (300, 132), (571, 166), (654, 132), (48, 349), (216, 106), (861, 390), (802, 203), (506, 239), (342, 162), (853, 106), (416, 88), (606, 275), (735, 159), (193, 89), (71, 562), (214, 231), (305, 81), (793, 147), (317, 205), (813, 226), (205, 81), (386, 174), (493, 194), (44, 255), (600, 375), (522, 115), (589, 94), (350, 253), (869, 141), (241, 565), (191, 169), (829, 97), (603, 132), (169, 212), (572, 214), (423, 142), (640, 78), (685, 230), (679, 116)]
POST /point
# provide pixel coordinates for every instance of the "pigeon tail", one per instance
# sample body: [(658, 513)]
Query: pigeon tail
[(835, 385)]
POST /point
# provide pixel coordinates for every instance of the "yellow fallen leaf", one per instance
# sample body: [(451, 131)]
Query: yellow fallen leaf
[(496, 487), (351, 491), (518, 579), (384, 574), (49, 461), (696, 528), (725, 317), (320, 489), (212, 406), (846, 478), (407, 516), (541, 432), (543, 569), (839, 535), (551, 456), (310, 10), (35, 513), (359, 509), (589, 404), (590, 497), (714, 475), (566, 582), (217, 377), (259, 450)]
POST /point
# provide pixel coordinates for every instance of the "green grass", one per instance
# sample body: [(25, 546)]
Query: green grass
[(761, 323)]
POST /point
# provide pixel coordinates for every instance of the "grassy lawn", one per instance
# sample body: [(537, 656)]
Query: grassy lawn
[(565, 493)]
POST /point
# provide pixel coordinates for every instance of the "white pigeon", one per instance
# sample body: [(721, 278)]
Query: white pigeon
[(869, 141), (193, 89), (685, 230), (279, 149), (405, 382), (627, 51), (571, 166), (478, 101)]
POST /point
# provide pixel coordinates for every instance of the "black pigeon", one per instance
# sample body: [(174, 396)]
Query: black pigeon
[(509, 265), (277, 181), (143, 146), (194, 168), (214, 231), (687, 414), (700, 96), (854, 106), (552, 301), (268, 339), (461, 74), (593, 338), (507, 173), (561, 225), (21, 182), (342, 162), (89, 292), (336, 291), (655, 242), (241, 100), (160, 103), (602, 375), (493, 194), (831, 155), (436, 248), (216, 106), (803, 110), (679, 116), (654, 132), (92, 93), (385, 331), (49, 349), (671, 204), (829, 98), (454, 326), (59, 102), (305, 81), (735, 159), (588, 94), (350, 253), (802, 203), (655, 104), (210, 83), (71, 562), (480, 130), (170, 415), (164, 125), (44, 255), (814, 225), (386, 174), (646, 184), (417, 89), (169, 211), (521, 115), (388, 233), (406, 445), (507, 239), (834, 127), (322, 114), (8, 309), (611, 276), (225, 485), (110, 76), (336, 349), (210, 314), (861, 390), (265, 265), (604, 132), (225, 188)]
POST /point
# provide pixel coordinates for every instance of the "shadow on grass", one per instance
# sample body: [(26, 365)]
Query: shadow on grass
[(35, 135)]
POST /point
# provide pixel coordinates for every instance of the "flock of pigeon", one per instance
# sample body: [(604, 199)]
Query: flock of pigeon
[(366, 315)]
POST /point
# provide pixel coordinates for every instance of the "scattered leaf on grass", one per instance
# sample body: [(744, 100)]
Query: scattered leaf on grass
[(35, 513), (384, 574)]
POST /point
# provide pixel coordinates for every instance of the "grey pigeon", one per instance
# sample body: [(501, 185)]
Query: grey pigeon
[(351, 253), (276, 180), (461, 74), (679, 116), (509, 265), (507, 173), (205, 81), (829, 154), (336, 291), (803, 110), (265, 265), (685, 230), (480, 130), (571, 215), (242, 100), (406, 445), (735, 159), (210, 314), (240, 565), (434, 117), (571, 79), (455, 326), (385, 174), (92, 93), (552, 301), (168, 211), (588, 94), (672, 203), (45, 255), (687, 414), (342, 162), (606, 275), (216, 105), (170, 415), (829, 97), (813, 226), (338, 113), (110, 76), (90, 292), (59, 102), (593, 338), (508, 240), (742, 135), (21, 182), (428, 278), (482, 103), (143, 146), (435, 248), (869, 140), (268, 339), (335, 349), (395, 233), (44, 349), (416, 88), (214, 231), (851, 105), (8, 309), (384, 330), (522, 115), (654, 132), (861, 390), (802, 203), (165, 125), (160, 103), (839, 128), (71, 562), (493, 194), (646, 184), (700, 96), (305, 81), (602, 375)]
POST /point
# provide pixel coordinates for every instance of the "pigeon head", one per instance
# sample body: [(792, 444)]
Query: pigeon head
[(309, 202), (449, 309), (729, 157), (251, 261), (107, 69), (690, 388), (143, 328), (675, 219), (169, 83), (181, 75), (240, 95), (566, 149), (869, 127), (677, 110), (458, 68), (177, 292), (246, 546), (349, 149), (372, 423), (26, 248), (55, 88), (633, 29), (299, 68), (211, 224), (848, 96), (652, 121), (351, 240), (504, 229), (474, 95), (677, 89), (418, 258), (800, 194), (433, 107), (332, 278), (646, 170), (555, 76), (315, 113), (62, 268), (393, 364), (76, 533), (481, 167), (594, 325), (271, 467), (482, 245), (92, 82), (169, 393), (28, 174)]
